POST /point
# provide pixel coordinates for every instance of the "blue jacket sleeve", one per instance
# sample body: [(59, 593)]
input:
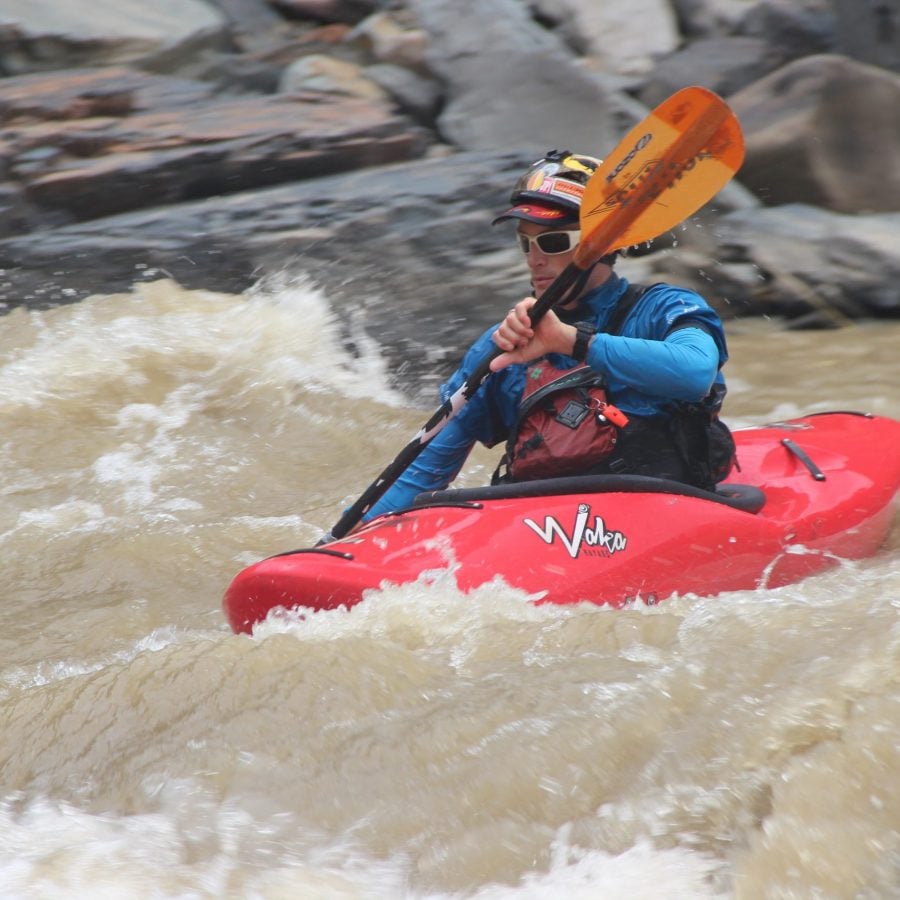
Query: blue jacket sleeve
[(681, 367), (440, 461), (433, 469)]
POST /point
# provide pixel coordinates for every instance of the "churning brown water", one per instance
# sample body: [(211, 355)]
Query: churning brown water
[(425, 744)]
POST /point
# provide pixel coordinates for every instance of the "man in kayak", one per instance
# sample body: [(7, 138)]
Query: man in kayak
[(619, 379)]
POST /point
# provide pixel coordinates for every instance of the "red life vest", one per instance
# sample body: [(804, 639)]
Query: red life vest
[(566, 424)]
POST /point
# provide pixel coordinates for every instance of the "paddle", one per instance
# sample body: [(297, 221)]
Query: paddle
[(663, 171)]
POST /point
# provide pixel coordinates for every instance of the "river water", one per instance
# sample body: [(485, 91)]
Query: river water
[(425, 744)]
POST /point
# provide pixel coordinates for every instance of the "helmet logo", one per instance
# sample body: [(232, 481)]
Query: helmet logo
[(575, 164), (556, 187), (535, 180), (557, 180)]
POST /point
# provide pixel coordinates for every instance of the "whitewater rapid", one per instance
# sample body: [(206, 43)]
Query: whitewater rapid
[(426, 744)]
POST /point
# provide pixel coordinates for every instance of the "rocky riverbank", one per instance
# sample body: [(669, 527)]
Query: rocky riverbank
[(368, 144)]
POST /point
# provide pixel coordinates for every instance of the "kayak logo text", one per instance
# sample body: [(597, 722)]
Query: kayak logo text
[(595, 539)]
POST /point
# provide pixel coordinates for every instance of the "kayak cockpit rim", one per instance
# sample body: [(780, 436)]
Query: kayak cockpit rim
[(744, 497)]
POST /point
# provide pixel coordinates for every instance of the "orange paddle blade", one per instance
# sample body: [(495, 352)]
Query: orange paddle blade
[(670, 164)]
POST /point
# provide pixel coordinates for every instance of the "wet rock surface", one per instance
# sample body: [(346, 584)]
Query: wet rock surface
[(368, 144)]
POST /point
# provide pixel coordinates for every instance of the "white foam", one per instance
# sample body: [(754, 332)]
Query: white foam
[(640, 873), (55, 850), (283, 332)]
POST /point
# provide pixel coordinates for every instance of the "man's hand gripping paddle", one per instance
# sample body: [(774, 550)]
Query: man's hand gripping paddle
[(664, 170)]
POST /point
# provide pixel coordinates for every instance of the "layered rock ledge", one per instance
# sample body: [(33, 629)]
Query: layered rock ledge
[(368, 144)]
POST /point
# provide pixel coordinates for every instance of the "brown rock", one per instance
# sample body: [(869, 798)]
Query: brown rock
[(84, 93), (175, 142)]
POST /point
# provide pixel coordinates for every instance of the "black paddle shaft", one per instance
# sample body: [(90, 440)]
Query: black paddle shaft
[(448, 409)]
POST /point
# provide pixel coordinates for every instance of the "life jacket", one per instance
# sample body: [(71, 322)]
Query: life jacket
[(565, 426)]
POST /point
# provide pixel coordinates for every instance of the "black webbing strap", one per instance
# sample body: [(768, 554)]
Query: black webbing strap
[(626, 304)]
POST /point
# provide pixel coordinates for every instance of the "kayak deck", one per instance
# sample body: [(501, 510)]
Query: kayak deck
[(810, 492)]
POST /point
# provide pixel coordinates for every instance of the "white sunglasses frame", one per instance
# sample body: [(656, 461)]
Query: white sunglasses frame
[(533, 239)]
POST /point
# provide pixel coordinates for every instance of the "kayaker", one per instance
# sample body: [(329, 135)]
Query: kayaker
[(655, 352)]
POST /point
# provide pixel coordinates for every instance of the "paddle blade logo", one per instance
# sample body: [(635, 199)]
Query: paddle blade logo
[(595, 539)]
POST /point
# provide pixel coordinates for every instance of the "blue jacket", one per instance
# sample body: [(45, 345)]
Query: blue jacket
[(656, 359)]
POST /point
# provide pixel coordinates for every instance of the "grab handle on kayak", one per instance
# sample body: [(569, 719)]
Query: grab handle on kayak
[(802, 455)]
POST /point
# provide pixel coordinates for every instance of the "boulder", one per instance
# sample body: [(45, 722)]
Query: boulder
[(724, 64), (327, 75), (813, 266), (253, 26), (325, 10), (336, 225), (89, 93), (706, 18), (246, 17), (870, 32), (823, 130), (627, 42), (415, 95), (764, 36), (392, 40), (509, 83), (52, 34), (792, 28)]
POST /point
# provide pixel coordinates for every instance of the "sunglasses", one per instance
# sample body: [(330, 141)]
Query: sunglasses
[(550, 242)]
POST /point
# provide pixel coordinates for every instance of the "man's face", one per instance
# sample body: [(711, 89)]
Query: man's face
[(545, 267)]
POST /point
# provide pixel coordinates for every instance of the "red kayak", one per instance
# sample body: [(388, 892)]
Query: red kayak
[(810, 492)]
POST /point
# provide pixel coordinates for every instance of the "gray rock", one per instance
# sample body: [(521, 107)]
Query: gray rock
[(622, 40), (45, 34), (801, 261), (325, 10), (792, 28), (708, 18), (414, 238), (510, 83), (823, 130), (415, 95), (724, 64), (869, 31), (324, 74), (112, 175), (245, 17)]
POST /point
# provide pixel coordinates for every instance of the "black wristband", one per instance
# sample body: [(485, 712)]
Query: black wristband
[(584, 331)]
